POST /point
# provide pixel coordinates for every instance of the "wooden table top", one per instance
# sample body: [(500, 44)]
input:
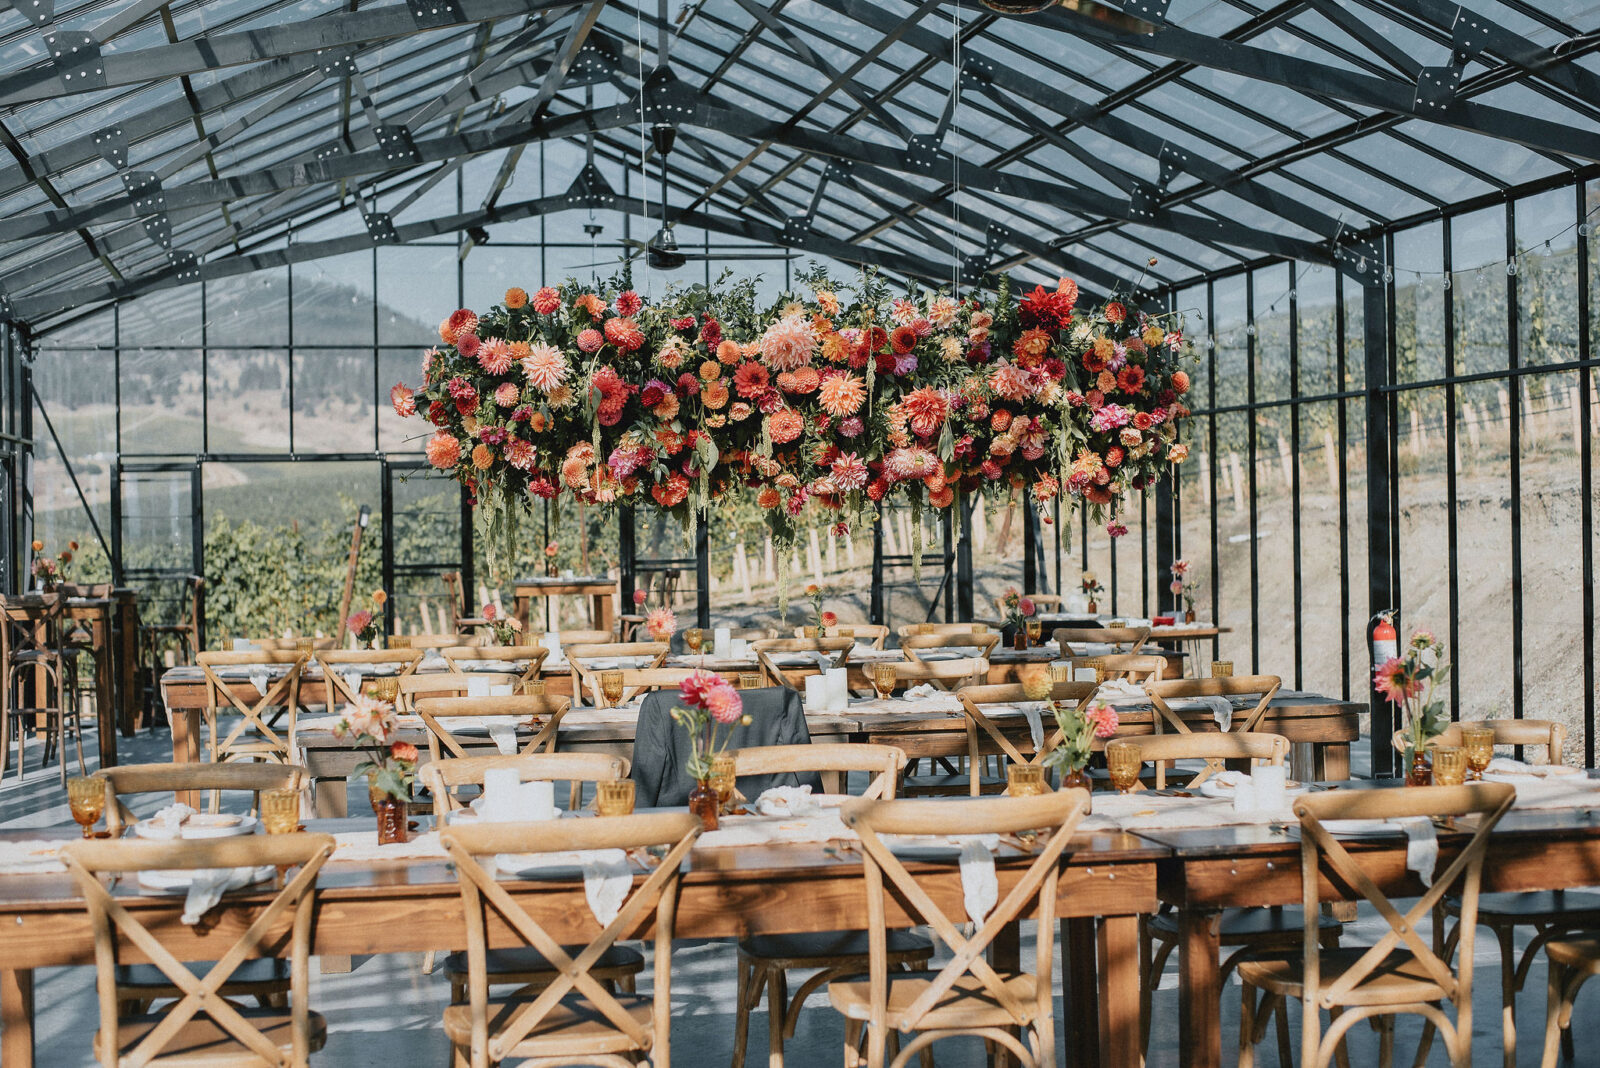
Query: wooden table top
[(572, 584)]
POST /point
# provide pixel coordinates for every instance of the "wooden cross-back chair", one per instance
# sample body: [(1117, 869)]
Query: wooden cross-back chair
[(908, 630), (440, 641), (414, 687), (289, 645), (1133, 637), (539, 713), (636, 681), (1401, 973), (265, 743), (916, 646), (570, 638), (1162, 691), (336, 662), (203, 1026), (1213, 747), (979, 725), (1542, 733), (944, 674), (127, 779), (837, 650), (585, 676), (966, 996), (872, 634), (575, 1018), (765, 960), (1133, 667), (532, 656), (446, 776)]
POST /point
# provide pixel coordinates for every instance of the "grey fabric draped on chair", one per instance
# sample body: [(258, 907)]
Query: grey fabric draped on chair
[(777, 717)]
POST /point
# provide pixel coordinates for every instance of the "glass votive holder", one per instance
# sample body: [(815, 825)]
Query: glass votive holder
[(384, 689), (844, 632), (1221, 669), (614, 797), (1124, 761), (280, 811), (533, 688), (1061, 671), (749, 680), (1025, 780), (1449, 765), (980, 628)]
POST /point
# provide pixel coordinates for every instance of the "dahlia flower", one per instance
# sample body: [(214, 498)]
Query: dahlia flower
[(547, 301), (590, 340), (750, 380), (516, 297), (942, 312), (784, 425), (467, 343), (545, 367), (403, 399), (661, 623), (519, 454), (495, 356), (842, 395), (628, 303), (927, 409), (624, 333), (444, 450), (789, 343), (849, 472), (903, 465)]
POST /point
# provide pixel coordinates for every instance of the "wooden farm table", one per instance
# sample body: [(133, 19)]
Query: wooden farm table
[(1214, 869), (1108, 881), (599, 590)]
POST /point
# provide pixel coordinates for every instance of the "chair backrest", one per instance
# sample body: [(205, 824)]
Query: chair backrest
[(87, 860), (284, 692), (1213, 747), (335, 664), (1134, 667), (1324, 858), (1540, 732), (444, 777), (539, 713), (980, 645), (414, 687), (907, 630), (32, 623), (482, 894), (749, 634), (570, 638), (660, 745), (441, 641), (1058, 813), (532, 657), (127, 779), (1040, 601), (884, 762), (974, 698), (1162, 691), (1133, 637), (452, 592), (837, 650), (289, 645), (585, 671), (945, 674), (872, 634)]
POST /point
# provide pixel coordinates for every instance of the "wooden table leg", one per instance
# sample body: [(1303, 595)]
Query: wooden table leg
[(1080, 993), (333, 798), (1200, 988), (105, 690), (125, 639), (16, 1018), (1332, 762), (185, 724), (1119, 980)]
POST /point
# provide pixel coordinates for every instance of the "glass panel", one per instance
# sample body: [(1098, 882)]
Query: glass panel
[(250, 309), (1275, 520), (1233, 343), (157, 521), (1319, 611), (1233, 534), (1424, 511), (163, 401), (79, 395), (249, 401), (394, 433), (333, 302), (333, 400), (1484, 523), (1355, 461), (1272, 285), (416, 289), (426, 527), (168, 317), (1547, 279), (1419, 297), (1318, 331), (1478, 287)]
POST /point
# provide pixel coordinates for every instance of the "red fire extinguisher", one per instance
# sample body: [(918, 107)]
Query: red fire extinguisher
[(1385, 639)]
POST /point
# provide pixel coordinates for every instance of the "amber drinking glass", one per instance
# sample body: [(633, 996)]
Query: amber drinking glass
[(749, 680), (384, 689), (1025, 780), (611, 687), (883, 680), (87, 797), (722, 779), (1221, 669), (1061, 671), (1479, 744), (694, 638), (1449, 765), (1035, 629), (614, 798), (1124, 760), (280, 811)]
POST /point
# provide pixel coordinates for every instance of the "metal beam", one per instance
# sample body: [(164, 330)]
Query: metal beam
[(339, 30)]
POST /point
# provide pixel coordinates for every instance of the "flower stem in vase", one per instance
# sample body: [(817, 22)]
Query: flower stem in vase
[(704, 802)]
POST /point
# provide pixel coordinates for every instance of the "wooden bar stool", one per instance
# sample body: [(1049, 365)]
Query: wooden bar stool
[(36, 665)]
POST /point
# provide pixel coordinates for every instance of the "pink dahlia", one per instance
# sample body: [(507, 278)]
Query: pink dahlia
[(628, 303), (506, 394), (461, 321), (902, 312), (590, 340), (1010, 381), (545, 367), (849, 472), (404, 401), (624, 334), (927, 410), (494, 356), (942, 312), (789, 343), (467, 344), (661, 623), (851, 427), (904, 465), (693, 689), (725, 704), (1104, 718), (444, 450), (519, 454)]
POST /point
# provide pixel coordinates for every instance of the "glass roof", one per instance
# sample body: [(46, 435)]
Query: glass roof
[(922, 137)]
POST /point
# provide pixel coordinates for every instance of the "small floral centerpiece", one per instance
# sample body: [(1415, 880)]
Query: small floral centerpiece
[(1079, 729), (1018, 610), (1411, 682), (1182, 589), (551, 551), (661, 624), (1092, 590), (819, 619), (363, 623), (507, 630), (711, 708), (390, 764), (51, 570)]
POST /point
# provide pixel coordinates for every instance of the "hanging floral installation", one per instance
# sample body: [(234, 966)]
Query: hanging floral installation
[(826, 406)]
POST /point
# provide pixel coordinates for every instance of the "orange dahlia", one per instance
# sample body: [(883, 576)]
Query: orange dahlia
[(1106, 382), (835, 349), (624, 334), (769, 497), (516, 297), (784, 425), (750, 380), (926, 409), (828, 301), (728, 351), (1009, 381), (546, 301), (842, 395), (710, 371), (444, 450), (404, 401), (1115, 312), (789, 343), (1131, 379), (591, 304), (902, 339), (715, 395), (482, 457), (1180, 381)]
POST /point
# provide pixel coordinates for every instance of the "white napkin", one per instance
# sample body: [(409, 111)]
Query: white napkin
[(1507, 766), (926, 689), (607, 878), (259, 677), (1030, 711), (207, 886), (787, 801), (352, 679), (1114, 688), (1422, 847), (980, 888), (1221, 709), (504, 736)]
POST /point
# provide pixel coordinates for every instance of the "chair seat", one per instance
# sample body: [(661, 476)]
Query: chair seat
[(968, 1003), (201, 1043), (1399, 979), (1581, 952), (573, 1026), (34, 656), (1244, 927), (822, 948), (1535, 906), (524, 964), (262, 971)]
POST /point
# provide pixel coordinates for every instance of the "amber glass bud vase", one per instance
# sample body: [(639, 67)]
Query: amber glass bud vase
[(704, 802)]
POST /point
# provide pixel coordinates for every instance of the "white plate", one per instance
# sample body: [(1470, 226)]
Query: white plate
[(1213, 788), (157, 832), (172, 879), (1363, 828)]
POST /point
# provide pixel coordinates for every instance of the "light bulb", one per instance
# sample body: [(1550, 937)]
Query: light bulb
[(1511, 267)]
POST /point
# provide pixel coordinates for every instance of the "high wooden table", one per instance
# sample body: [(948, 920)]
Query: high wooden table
[(1108, 880), (1215, 869), (599, 590)]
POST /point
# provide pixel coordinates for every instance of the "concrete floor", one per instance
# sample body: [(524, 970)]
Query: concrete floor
[(385, 1013)]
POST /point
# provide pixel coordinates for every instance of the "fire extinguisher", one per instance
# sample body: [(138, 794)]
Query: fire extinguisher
[(1385, 639)]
